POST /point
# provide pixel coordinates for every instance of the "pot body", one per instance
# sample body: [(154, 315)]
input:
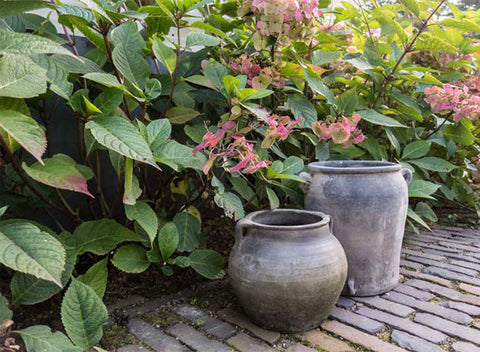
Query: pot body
[(287, 277), (368, 202)]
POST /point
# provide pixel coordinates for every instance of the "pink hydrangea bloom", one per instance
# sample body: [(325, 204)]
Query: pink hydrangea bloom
[(341, 131)]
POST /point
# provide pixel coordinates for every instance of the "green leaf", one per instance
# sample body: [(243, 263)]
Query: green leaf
[(188, 228), (28, 44), (103, 78), (347, 102), (241, 187), (231, 204), (180, 115), (207, 263), (20, 77), (168, 239), (61, 172), (40, 338), (434, 164), (272, 198), (300, 107), (121, 136), (79, 65), (96, 277), (158, 131), (320, 57), (109, 100), (144, 215), (131, 258), (460, 134), (102, 236), (56, 76), (26, 131), (414, 216), (378, 119), (27, 249), (196, 38), (179, 156), (318, 86), (412, 5), (424, 210), (465, 25), (209, 28), (215, 72), (5, 312), (15, 7), (422, 189), (165, 54), (201, 81), (83, 314), (292, 165), (416, 150)]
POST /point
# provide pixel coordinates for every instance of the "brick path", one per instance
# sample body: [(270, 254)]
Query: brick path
[(435, 308)]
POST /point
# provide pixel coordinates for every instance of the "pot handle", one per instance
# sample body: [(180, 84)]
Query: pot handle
[(308, 178), (241, 226), (407, 175)]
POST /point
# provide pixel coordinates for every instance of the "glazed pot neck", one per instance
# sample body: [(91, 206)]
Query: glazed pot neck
[(353, 167)]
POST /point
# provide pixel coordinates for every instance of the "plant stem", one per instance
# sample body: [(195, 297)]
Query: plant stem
[(99, 191), (175, 72)]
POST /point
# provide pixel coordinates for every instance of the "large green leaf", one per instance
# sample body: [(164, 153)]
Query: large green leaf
[(416, 150), (318, 86), (320, 57), (434, 164), (96, 277), (272, 198), (39, 338), (5, 312), (80, 65), (292, 165), (106, 79), (144, 215), (415, 217), (158, 132), (422, 189), (196, 38), (26, 248), (378, 119), (27, 289), (231, 204), (119, 135), (460, 134), (15, 7), (28, 44), (26, 131), (300, 107), (168, 240), (83, 314), (188, 228), (131, 258), (102, 236), (207, 263), (20, 77), (57, 76), (178, 156), (61, 172), (165, 54)]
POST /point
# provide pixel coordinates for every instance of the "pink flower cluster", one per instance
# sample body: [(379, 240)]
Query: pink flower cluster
[(462, 99), (279, 128), (258, 77), (446, 58), (343, 132)]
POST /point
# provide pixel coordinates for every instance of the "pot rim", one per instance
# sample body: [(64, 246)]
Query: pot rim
[(353, 167), (321, 219)]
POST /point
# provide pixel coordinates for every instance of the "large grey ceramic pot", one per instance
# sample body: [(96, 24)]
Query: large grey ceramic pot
[(287, 269), (368, 202)]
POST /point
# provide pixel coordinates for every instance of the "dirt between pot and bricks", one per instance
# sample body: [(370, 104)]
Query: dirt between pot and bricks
[(435, 308)]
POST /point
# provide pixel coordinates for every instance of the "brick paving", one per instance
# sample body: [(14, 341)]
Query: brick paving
[(434, 308)]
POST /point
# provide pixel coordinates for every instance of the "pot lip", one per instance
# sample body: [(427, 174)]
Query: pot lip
[(353, 167), (322, 219)]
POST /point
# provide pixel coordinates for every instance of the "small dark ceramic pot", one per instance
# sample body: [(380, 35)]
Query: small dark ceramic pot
[(287, 269), (368, 201)]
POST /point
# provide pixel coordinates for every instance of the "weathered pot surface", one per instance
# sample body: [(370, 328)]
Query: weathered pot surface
[(368, 201), (287, 269)]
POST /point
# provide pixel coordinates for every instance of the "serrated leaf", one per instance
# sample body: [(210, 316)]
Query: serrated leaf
[(188, 228), (292, 165), (121, 136), (207, 263), (181, 115), (425, 211), (40, 338), (231, 204), (102, 236), (26, 131), (272, 198), (144, 215), (61, 172), (13, 8), (168, 239), (434, 164), (320, 57), (83, 314), (106, 79), (109, 100), (79, 65), (27, 249), (196, 38), (422, 189), (158, 131), (463, 24), (209, 28), (412, 5), (131, 258), (178, 156), (459, 134), (56, 76), (165, 54), (96, 277), (28, 44), (318, 86), (20, 77), (5, 312), (378, 119), (416, 150), (301, 107)]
